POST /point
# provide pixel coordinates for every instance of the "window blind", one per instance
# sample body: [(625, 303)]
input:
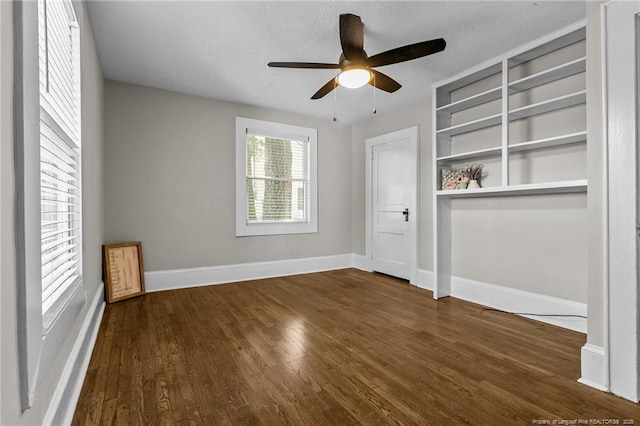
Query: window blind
[(277, 176), (60, 188), (59, 70)]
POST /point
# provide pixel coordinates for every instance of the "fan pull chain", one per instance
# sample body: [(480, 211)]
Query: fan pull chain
[(374, 94), (335, 101)]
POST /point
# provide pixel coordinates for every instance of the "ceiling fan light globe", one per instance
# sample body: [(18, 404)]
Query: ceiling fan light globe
[(354, 78)]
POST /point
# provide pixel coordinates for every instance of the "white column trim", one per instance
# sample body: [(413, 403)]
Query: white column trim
[(594, 369), (621, 89)]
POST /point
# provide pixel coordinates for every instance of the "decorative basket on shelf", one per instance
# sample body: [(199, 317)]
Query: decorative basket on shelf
[(450, 178)]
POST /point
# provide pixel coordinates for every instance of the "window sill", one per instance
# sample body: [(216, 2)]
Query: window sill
[(275, 228), (50, 318)]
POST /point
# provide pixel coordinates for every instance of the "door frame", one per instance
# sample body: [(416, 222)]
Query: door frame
[(621, 35), (411, 134)]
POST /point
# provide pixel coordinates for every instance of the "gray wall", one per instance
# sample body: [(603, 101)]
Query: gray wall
[(170, 173), (92, 165), (597, 171), (9, 395), (534, 243), (169, 161), (531, 243)]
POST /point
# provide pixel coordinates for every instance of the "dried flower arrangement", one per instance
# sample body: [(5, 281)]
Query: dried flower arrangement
[(475, 172)]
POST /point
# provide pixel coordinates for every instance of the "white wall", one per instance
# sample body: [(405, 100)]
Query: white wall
[(170, 173), (92, 86)]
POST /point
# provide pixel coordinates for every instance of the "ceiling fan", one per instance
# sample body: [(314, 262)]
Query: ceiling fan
[(356, 68)]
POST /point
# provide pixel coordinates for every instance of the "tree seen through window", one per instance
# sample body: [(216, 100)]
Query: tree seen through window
[(277, 179)]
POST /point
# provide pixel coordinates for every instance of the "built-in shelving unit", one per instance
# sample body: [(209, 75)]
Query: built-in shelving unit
[(476, 113)]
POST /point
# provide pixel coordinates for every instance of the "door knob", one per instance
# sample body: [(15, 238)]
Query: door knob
[(406, 215)]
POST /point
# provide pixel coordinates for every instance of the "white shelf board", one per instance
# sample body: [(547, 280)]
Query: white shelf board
[(547, 76), (477, 73), (562, 187), (549, 142), (554, 43), (471, 101), (548, 106), (481, 153), (471, 126)]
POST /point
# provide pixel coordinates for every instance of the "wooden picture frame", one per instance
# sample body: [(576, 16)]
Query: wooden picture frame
[(123, 271)]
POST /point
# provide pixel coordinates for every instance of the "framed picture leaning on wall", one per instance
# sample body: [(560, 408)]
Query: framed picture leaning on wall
[(123, 271)]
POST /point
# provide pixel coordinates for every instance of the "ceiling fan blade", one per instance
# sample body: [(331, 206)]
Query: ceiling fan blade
[(351, 37), (384, 82), (407, 53), (331, 84), (313, 65)]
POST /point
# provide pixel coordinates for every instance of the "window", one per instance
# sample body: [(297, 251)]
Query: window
[(275, 178), (47, 96), (60, 192)]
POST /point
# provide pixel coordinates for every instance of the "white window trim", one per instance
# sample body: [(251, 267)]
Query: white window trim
[(40, 338), (274, 228)]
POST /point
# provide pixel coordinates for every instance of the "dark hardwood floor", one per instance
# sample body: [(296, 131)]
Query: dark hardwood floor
[(332, 348)]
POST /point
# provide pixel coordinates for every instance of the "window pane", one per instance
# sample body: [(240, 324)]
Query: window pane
[(299, 200), (273, 200), (277, 179), (59, 215), (299, 160), (276, 158), (60, 192)]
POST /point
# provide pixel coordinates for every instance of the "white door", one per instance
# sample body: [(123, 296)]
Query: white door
[(622, 31), (393, 203)]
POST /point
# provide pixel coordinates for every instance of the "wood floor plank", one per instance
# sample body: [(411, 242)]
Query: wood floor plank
[(338, 348)]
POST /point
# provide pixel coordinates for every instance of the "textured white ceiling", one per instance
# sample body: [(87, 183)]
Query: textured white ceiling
[(220, 49)]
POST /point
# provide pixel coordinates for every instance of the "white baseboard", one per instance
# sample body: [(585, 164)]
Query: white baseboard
[(494, 296), (361, 262), (593, 367), (65, 397), (424, 279), (513, 300), (194, 277)]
